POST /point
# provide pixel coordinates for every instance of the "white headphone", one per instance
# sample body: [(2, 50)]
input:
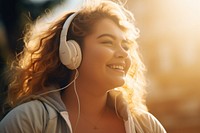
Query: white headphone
[(69, 50)]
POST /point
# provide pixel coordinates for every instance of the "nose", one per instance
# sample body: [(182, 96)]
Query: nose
[(121, 53)]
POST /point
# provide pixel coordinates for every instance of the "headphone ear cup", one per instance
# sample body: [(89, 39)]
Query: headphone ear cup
[(70, 54)]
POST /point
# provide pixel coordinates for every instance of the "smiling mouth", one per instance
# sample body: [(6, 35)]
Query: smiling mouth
[(117, 67)]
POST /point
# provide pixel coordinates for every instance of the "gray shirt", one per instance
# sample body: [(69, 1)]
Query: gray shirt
[(48, 114)]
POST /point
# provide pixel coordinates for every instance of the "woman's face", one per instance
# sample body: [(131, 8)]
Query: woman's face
[(106, 58)]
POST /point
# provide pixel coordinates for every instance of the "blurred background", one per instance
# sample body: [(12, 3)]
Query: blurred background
[(169, 44)]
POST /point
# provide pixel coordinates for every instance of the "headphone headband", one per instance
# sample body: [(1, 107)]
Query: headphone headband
[(63, 35)]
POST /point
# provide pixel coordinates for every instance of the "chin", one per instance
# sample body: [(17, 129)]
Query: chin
[(118, 83)]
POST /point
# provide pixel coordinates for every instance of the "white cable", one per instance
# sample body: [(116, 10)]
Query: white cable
[(76, 76), (116, 110), (79, 106), (75, 90)]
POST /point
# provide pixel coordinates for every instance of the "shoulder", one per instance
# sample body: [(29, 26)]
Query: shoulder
[(29, 116), (29, 110), (147, 122)]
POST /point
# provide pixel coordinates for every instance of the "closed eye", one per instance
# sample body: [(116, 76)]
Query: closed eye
[(106, 39), (108, 43), (126, 47), (105, 42)]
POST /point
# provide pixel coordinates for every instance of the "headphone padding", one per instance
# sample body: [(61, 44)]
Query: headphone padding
[(70, 54), (75, 56)]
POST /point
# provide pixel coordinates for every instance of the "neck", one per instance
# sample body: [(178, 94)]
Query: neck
[(92, 101)]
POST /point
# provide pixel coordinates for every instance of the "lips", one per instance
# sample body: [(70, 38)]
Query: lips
[(118, 67)]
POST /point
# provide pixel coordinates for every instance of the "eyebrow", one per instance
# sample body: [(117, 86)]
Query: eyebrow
[(107, 35), (113, 37)]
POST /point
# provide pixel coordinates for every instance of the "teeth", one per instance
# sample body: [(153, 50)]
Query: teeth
[(117, 67)]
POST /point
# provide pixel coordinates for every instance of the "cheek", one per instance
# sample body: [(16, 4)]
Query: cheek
[(98, 56), (95, 58), (103, 56), (93, 66)]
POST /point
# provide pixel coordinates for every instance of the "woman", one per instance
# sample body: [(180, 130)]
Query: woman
[(81, 74)]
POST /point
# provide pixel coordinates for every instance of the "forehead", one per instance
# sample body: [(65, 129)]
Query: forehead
[(107, 26)]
